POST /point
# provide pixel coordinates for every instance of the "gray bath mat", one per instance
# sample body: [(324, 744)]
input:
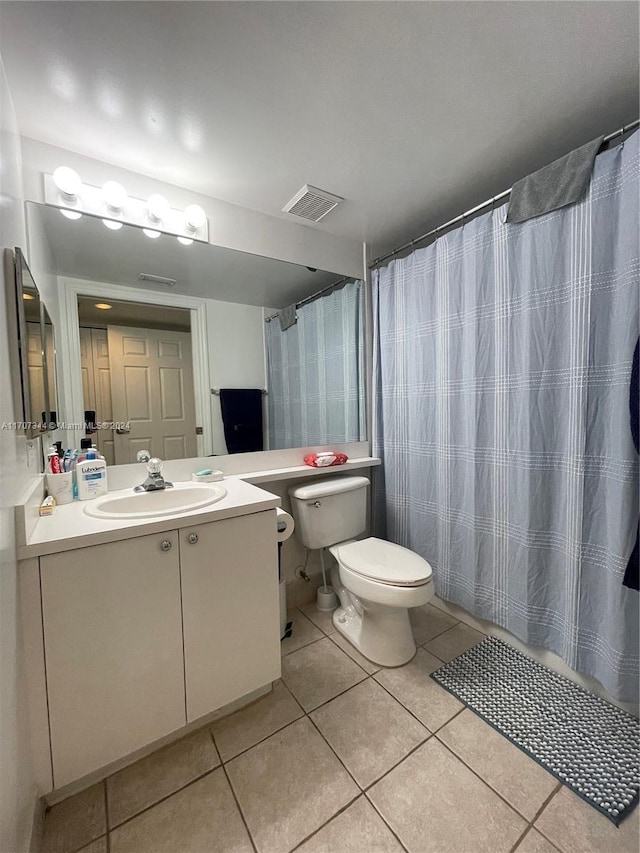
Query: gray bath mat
[(588, 744)]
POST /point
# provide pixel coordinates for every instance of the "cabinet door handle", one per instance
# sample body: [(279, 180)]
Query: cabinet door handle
[(192, 538), (165, 545)]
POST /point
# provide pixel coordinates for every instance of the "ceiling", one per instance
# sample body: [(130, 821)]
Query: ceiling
[(132, 314), (412, 111), (84, 248)]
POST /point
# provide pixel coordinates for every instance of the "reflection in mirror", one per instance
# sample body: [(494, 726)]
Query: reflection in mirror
[(316, 371), (37, 354), (137, 373), (254, 386)]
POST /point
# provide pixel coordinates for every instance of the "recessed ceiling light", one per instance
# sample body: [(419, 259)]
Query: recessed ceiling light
[(28, 296), (103, 306)]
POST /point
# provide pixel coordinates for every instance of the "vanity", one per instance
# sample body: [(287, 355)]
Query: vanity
[(140, 628)]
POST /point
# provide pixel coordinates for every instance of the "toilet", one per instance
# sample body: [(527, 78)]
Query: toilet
[(376, 581)]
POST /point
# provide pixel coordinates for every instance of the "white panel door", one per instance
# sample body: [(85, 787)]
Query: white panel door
[(230, 607), (113, 647), (36, 371), (96, 385), (102, 384), (151, 374), (86, 365)]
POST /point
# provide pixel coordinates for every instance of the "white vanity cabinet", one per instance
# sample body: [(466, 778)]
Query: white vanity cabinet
[(142, 636), (113, 650), (230, 610)]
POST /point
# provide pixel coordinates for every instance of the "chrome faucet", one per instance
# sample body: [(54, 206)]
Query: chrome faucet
[(155, 481)]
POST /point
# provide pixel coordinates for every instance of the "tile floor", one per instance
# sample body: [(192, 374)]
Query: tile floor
[(341, 757)]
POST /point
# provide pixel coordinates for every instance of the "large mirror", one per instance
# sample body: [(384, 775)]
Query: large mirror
[(185, 349), (36, 396)]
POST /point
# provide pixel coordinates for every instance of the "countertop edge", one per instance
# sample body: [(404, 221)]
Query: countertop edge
[(163, 525)]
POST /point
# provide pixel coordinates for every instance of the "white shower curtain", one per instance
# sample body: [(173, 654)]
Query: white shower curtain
[(502, 359), (315, 371)]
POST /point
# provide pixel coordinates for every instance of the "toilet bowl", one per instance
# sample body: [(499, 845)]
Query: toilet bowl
[(377, 582)]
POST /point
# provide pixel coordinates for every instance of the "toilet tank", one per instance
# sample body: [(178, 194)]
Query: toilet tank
[(329, 511)]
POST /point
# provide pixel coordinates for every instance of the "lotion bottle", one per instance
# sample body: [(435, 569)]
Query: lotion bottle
[(91, 474)]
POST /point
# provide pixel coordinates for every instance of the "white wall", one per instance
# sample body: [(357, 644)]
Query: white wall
[(230, 225), (17, 789), (236, 355)]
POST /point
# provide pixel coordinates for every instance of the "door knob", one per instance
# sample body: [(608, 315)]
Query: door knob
[(122, 430), (165, 545), (192, 538)]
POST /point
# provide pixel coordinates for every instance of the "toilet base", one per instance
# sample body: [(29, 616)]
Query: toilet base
[(382, 634)]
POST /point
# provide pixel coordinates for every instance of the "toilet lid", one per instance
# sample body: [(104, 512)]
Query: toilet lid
[(383, 561)]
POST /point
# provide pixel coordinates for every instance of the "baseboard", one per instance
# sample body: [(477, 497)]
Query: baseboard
[(37, 826)]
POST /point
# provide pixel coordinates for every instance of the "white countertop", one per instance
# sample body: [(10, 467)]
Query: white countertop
[(69, 527)]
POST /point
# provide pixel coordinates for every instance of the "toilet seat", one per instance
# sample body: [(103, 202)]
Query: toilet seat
[(384, 562)]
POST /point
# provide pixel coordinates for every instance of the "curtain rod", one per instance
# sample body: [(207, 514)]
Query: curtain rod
[(314, 295), (489, 203)]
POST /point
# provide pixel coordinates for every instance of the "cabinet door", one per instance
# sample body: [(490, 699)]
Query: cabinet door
[(113, 648), (230, 609)]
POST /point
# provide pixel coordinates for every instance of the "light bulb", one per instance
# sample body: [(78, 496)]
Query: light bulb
[(151, 233), (195, 216), (103, 306), (157, 207), (113, 224), (114, 195), (67, 181), (186, 241), (70, 214)]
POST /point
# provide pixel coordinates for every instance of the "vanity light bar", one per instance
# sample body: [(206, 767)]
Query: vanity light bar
[(65, 189)]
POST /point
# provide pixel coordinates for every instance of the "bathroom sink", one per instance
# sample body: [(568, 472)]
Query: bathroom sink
[(130, 504)]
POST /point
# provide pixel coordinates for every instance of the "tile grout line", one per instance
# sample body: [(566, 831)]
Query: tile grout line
[(237, 802), (338, 646), (484, 781), (409, 711), (327, 822), (396, 765), (435, 636), (351, 776), (384, 820), (106, 815), (532, 825), (166, 797), (262, 740), (304, 646)]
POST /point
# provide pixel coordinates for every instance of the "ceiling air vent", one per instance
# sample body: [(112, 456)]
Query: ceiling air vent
[(157, 279), (312, 203)]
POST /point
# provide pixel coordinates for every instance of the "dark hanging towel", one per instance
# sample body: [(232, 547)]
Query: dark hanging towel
[(242, 419), (562, 182), (632, 574)]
